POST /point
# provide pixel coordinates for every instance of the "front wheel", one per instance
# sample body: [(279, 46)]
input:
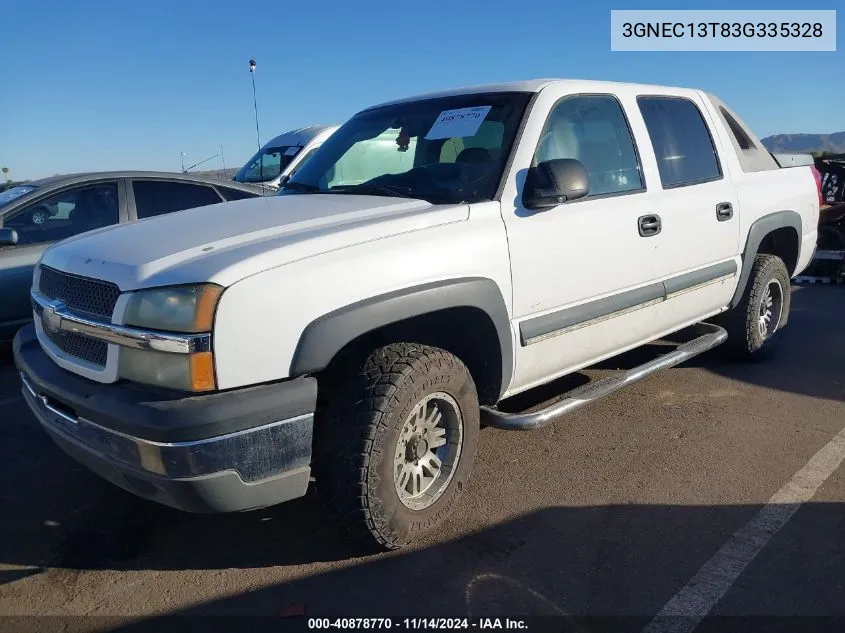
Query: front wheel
[(395, 443), (764, 308)]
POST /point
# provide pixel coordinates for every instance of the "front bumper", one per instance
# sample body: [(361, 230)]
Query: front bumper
[(223, 452)]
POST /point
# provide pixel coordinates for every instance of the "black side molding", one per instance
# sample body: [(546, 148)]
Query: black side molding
[(327, 335), (686, 281), (534, 330)]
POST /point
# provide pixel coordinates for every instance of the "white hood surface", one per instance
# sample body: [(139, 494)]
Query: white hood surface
[(224, 243)]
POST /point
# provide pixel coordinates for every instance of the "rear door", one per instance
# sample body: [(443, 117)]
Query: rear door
[(698, 209), (151, 197)]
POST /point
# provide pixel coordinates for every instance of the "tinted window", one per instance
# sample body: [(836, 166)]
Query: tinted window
[(65, 214), (155, 197), (682, 144), (235, 194), (593, 130)]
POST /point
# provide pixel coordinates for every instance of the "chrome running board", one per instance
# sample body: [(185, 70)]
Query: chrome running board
[(577, 398)]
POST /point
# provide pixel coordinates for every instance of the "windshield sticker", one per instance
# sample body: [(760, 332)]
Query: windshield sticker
[(290, 151), (462, 122)]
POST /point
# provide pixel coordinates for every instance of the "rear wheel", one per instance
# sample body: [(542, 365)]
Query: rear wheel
[(753, 324), (395, 443)]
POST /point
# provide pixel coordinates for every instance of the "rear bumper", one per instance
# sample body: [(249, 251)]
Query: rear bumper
[(262, 460)]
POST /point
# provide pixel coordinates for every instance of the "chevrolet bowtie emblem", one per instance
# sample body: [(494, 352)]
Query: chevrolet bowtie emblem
[(50, 317)]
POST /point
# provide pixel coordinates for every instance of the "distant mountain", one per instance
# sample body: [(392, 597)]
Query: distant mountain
[(223, 174), (805, 143)]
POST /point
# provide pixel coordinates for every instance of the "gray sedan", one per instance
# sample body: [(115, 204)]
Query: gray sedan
[(37, 214)]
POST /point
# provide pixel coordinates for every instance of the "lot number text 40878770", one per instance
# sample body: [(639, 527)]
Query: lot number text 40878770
[(417, 623)]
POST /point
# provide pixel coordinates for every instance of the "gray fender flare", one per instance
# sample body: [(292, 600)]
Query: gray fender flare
[(327, 335), (758, 231)]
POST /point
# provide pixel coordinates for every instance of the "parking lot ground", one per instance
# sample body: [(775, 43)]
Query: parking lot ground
[(622, 509)]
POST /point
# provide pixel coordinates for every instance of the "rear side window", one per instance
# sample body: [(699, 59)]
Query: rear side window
[(236, 194), (742, 139), (682, 143), (156, 197)]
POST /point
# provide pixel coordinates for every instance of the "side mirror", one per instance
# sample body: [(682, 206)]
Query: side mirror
[(8, 237), (555, 182)]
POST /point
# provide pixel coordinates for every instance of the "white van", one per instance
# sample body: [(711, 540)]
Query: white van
[(283, 155)]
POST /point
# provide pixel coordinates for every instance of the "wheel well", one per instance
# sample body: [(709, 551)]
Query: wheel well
[(466, 332), (782, 242)]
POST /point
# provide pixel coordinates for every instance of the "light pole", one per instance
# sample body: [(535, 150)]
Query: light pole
[(255, 102), (183, 162)]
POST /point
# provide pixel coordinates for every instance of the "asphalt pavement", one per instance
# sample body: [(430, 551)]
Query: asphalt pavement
[(713, 487)]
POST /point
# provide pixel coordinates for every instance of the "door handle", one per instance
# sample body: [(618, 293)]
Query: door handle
[(649, 225), (724, 211)]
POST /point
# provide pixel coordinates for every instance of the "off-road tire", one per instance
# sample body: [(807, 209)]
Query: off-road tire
[(359, 418), (744, 339)]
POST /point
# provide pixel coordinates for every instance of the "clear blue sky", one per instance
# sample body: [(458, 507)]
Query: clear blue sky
[(101, 84)]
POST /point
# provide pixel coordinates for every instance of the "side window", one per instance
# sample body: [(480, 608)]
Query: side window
[(157, 197), (742, 139), (593, 130), (236, 194), (70, 212), (682, 143)]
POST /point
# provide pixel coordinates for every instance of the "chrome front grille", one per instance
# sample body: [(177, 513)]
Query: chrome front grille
[(88, 297), (92, 297)]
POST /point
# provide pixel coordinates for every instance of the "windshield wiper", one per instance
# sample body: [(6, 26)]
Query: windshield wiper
[(365, 189)]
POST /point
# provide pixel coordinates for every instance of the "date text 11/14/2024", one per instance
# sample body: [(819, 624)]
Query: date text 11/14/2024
[(417, 623)]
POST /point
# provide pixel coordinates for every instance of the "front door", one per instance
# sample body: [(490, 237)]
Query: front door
[(585, 275)]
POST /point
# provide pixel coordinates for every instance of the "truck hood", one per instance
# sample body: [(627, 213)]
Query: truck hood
[(224, 243)]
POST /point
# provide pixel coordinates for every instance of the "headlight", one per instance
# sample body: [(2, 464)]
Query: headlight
[(187, 372), (176, 309), (186, 309)]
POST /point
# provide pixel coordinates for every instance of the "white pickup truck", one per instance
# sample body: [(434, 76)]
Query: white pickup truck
[(437, 255)]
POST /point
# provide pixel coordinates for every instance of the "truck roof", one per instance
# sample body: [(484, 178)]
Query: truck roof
[(529, 85), (300, 136)]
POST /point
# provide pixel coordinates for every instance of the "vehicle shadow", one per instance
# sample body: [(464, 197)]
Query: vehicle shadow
[(58, 514), (601, 561)]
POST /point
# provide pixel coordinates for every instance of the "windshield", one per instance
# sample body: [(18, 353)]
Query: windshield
[(267, 164), (14, 193), (444, 150)]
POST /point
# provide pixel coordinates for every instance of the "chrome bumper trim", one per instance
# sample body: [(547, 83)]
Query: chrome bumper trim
[(255, 453), (56, 317)]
